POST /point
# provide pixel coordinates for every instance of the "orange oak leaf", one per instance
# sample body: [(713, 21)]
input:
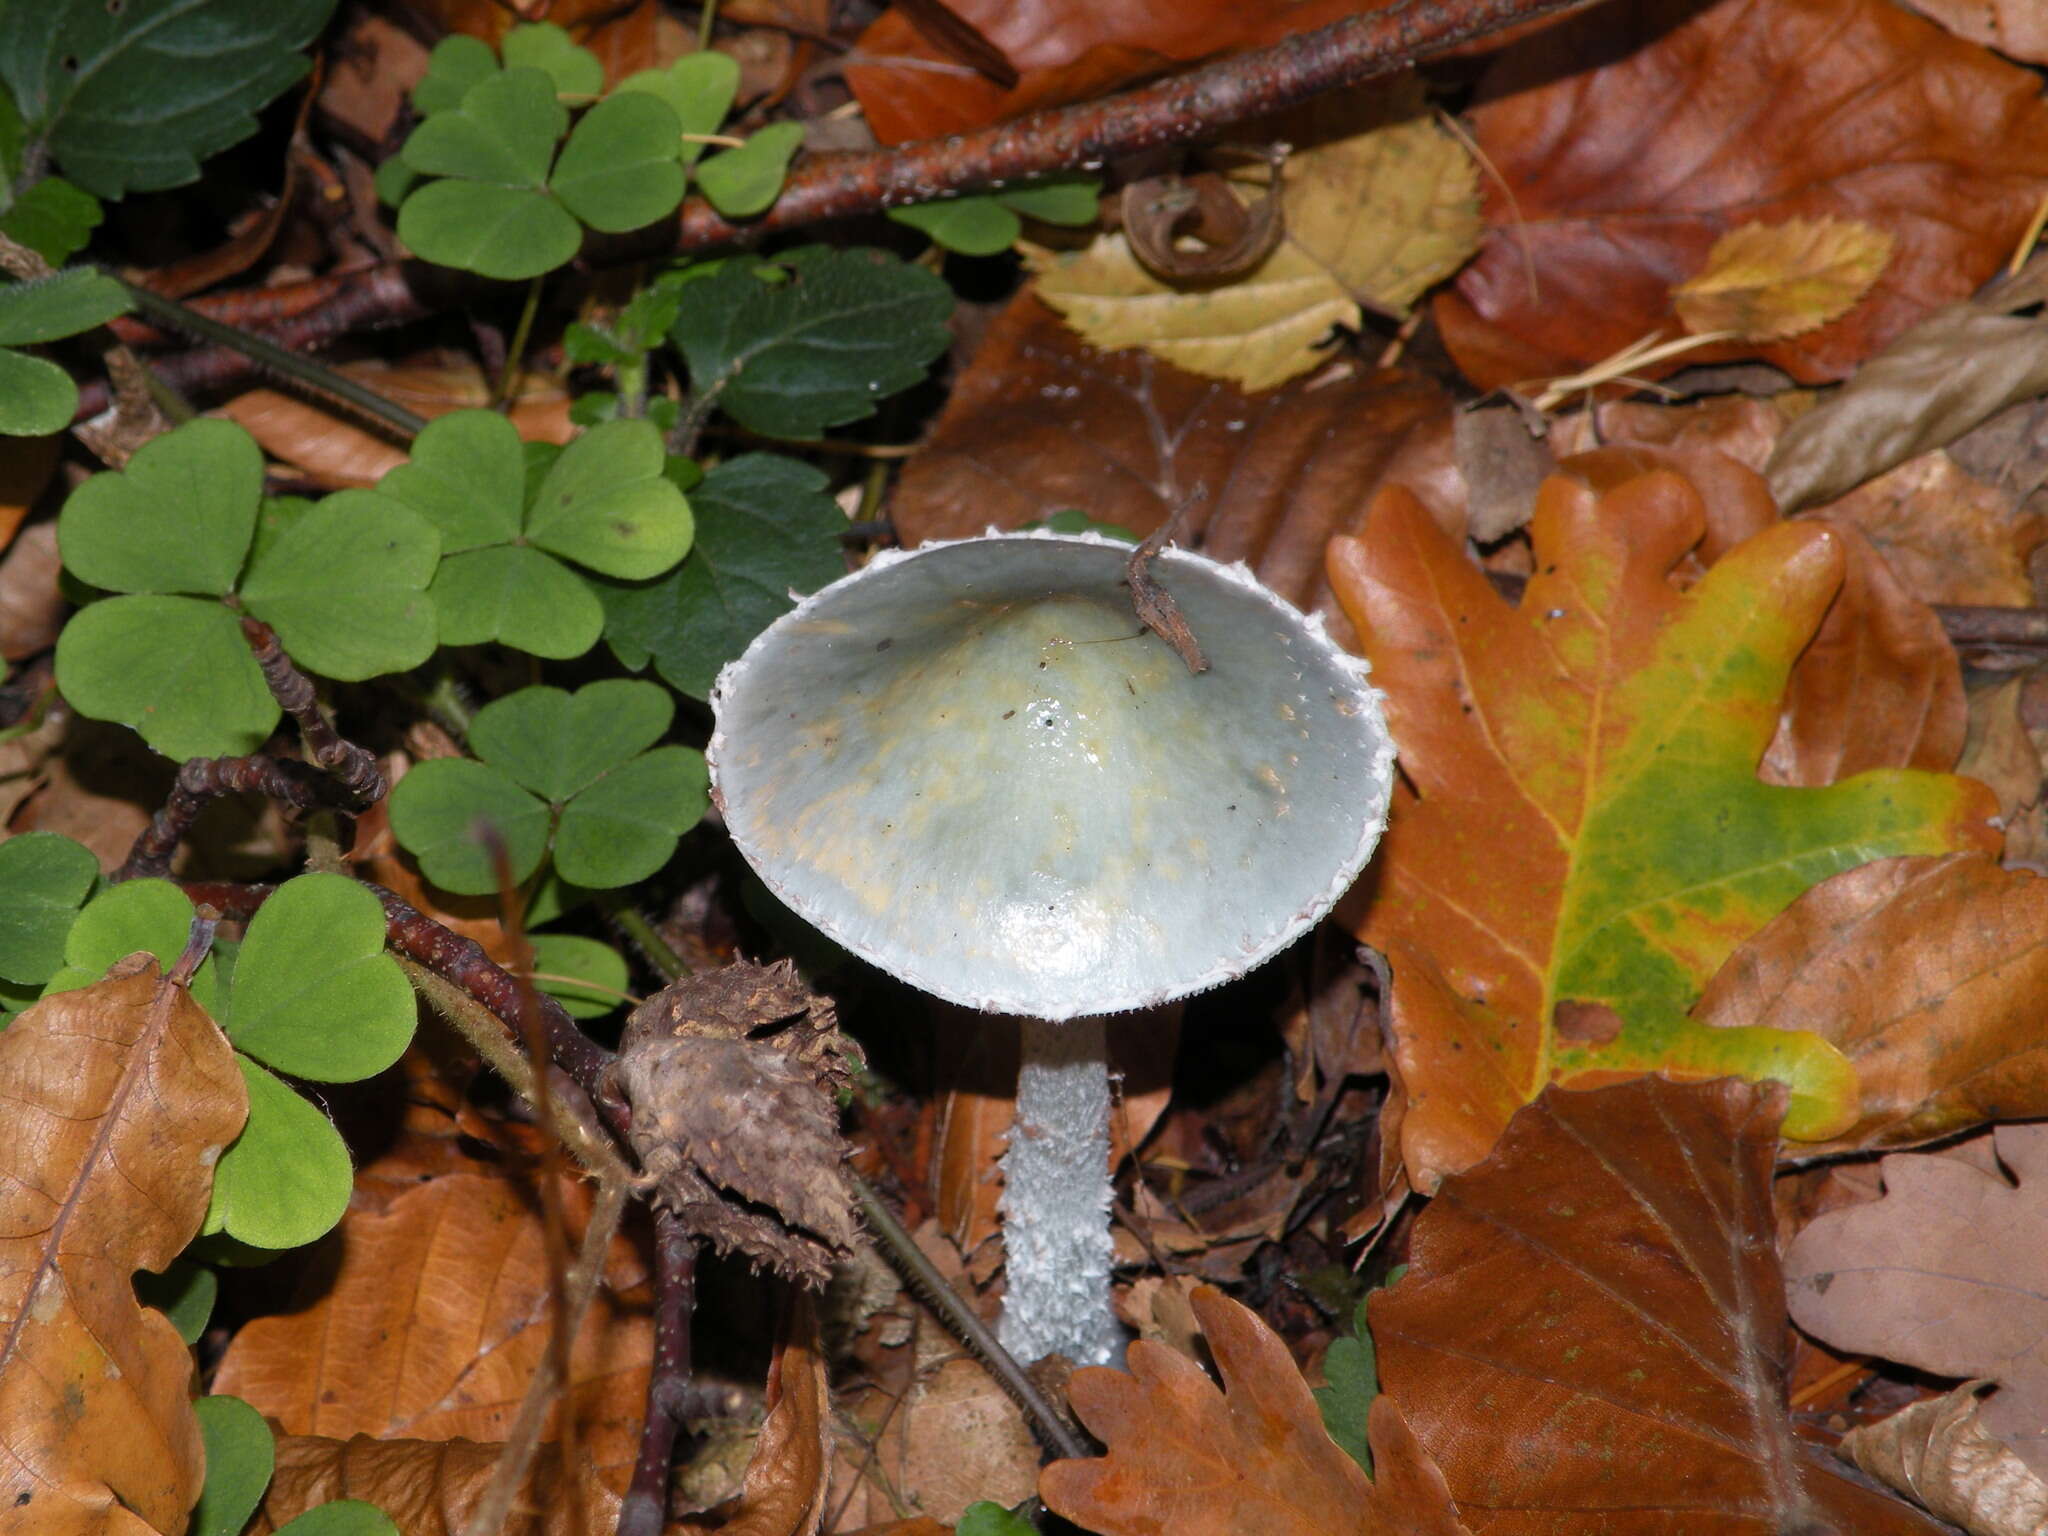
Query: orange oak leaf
[(1945, 1040), (1585, 823), (1632, 138), (1188, 1458), (1591, 1334), (119, 1099)]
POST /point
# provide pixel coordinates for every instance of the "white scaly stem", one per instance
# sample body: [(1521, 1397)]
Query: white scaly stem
[(1056, 1195)]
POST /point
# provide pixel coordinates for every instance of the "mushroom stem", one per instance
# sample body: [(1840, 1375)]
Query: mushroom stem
[(1056, 1196)]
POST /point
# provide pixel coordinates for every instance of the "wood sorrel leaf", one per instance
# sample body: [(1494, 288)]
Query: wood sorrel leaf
[(46, 878), (345, 586), (555, 743), (178, 519), (285, 1180), (624, 827), (1587, 839), (438, 808), (240, 1456), (619, 169), (175, 668), (466, 476), (315, 995), (606, 504), (518, 597)]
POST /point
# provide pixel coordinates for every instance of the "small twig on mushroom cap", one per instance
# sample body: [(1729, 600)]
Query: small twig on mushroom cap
[(1153, 604)]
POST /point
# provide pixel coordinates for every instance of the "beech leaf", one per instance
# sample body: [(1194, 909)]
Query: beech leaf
[(1619, 177), (1587, 838), (1189, 1458), (119, 1099), (427, 1487), (1769, 281), (1591, 1334), (1942, 1273)]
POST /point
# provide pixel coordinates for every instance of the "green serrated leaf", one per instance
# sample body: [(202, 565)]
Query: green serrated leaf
[(178, 519), (542, 45), (624, 827), (46, 879), (63, 304), (606, 504), (315, 995), (345, 587), (36, 396), (241, 1454), (590, 346), (619, 170), (457, 63), (465, 476), (53, 218), (596, 973), (344, 1517), (1070, 199), (517, 597), (745, 181), (138, 916), (972, 226), (435, 813), (795, 358), (131, 97), (508, 233), (176, 669), (285, 1180), (555, 743), (765, 528), (504, 133), (699, 88), (185, 1293)]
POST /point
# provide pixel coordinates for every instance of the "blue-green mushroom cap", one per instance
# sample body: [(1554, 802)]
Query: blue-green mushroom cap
[(973, 766)]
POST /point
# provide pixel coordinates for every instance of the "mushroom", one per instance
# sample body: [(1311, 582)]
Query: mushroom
[(971, 765)]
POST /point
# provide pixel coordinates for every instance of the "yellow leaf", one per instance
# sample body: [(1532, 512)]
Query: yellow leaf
[(1376, 211), (1769, 281)]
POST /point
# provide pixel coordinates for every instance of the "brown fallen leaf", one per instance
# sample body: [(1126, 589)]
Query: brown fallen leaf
[(1253, 1456), (1927, 973), (32, 609), (120, 1097), (1591, 1334), (1943, 1273), (1948, 536), (426, 1322), (1934, 381), (1938, 1453), (1040, 422), (427, 1487), (1765, 282), (1633, 138)]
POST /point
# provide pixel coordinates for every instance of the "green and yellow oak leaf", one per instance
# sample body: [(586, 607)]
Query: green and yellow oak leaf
[(1582, 838)]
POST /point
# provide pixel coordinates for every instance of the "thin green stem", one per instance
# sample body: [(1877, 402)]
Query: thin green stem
[(705, 19), (515, 355), (631, 921), (314, 376)]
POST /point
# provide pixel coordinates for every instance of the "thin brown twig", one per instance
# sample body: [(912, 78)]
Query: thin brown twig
[(1178, 110), (645, 1510)]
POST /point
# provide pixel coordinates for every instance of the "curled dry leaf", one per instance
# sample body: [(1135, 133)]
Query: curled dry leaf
[(427, 1323), (1943, 1273), (120, 1098), (1591, 1334), (738, 1127), (1935, 381), (1948, 536), (1766, 282), (1188, 1458), (427, 1487), (1633, 139), (1951, 1038), (1586, 824), (1379, 202), (784, 1494), (1041, 422), (1939, 1454)]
